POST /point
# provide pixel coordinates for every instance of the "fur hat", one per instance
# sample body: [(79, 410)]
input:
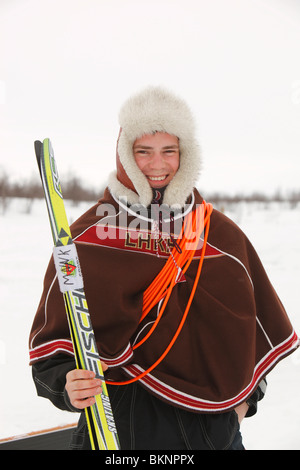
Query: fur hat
[(155, 110)]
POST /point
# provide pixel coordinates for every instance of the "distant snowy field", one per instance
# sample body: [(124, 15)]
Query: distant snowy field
[(25, 248)]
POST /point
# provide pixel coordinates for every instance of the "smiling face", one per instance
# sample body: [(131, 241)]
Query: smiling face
[(157, 156)]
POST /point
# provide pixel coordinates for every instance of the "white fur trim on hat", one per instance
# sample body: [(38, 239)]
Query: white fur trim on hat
[(157, 110)]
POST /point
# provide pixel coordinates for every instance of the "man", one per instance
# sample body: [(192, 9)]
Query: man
[(186, 321)]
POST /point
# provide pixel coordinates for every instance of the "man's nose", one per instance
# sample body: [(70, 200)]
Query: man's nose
[(157, 160)]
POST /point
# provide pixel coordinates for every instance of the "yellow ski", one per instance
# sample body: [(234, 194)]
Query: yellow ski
[(100, 420)]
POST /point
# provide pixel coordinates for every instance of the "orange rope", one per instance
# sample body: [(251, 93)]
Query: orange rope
[(170, 278), (158, 288), (156, 291)]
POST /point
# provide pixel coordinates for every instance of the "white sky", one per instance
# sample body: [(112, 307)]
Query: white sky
[(66, 66)]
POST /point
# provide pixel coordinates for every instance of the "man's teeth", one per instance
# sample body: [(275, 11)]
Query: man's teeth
[(157, 178)]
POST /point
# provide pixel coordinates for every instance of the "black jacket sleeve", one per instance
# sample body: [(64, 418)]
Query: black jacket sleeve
[(49, 377), (255, 398)]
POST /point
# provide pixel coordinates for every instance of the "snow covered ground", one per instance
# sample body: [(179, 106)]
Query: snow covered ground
[(25, 248)]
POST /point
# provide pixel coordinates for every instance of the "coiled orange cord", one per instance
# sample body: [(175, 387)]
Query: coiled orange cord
[(163, 284)]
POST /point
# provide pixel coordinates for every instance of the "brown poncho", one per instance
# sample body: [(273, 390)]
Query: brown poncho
[(236, 330)]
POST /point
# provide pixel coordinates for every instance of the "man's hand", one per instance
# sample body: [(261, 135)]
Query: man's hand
[(82, 386), (241, 411)]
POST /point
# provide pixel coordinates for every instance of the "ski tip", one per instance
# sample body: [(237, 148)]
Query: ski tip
[(38, 147)]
